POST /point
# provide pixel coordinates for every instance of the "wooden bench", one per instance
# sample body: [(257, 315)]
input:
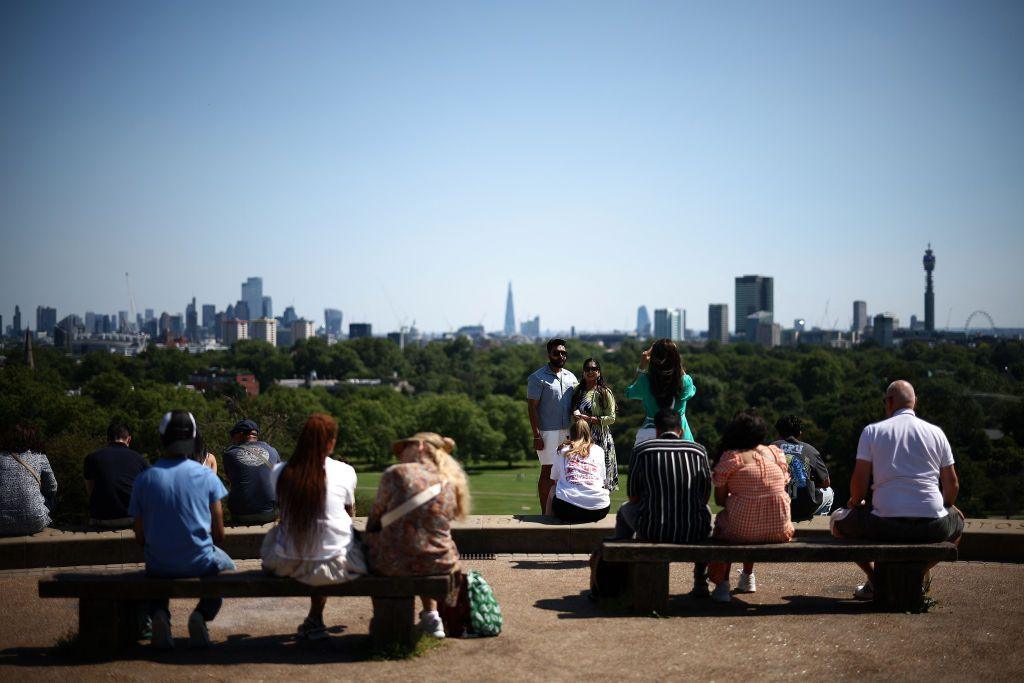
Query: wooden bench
[(108, 602), (899, 568)]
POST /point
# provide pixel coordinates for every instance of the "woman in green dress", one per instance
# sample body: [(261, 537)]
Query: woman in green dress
[(594, 402), (661, 382)]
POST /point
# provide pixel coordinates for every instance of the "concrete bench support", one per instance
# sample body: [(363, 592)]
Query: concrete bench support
[(109, 604), (899, 568)]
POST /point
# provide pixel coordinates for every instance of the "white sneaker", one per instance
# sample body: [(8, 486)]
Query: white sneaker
[(865, 591), (721, 592), (198, 634), (747, 584), (430, 623), (161, 625)]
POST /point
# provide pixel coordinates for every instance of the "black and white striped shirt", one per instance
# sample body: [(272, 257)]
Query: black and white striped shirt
[(672, 479)]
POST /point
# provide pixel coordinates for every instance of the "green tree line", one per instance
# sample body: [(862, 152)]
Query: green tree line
[(477, 396)]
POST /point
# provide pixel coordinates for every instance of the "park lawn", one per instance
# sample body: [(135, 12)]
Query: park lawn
[(496, 490)]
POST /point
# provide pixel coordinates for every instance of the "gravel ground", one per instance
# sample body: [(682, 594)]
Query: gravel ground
[(801, 622)]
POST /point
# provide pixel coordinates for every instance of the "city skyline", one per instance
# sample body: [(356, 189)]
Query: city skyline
[(354, 160)]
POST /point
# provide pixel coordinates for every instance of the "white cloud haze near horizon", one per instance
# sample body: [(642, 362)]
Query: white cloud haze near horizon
[(404, 162)]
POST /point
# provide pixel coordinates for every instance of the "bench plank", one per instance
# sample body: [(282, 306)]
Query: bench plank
[(824, 550), (248, 584)]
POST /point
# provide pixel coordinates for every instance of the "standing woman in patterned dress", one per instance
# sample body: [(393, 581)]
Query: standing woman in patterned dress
[(595, 403)]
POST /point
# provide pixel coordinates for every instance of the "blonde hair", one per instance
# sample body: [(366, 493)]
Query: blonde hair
[(579, 440), (451, 471)]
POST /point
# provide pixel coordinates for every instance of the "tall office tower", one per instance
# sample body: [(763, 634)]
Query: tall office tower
[(235, 331), (149, 314), (252, 295), (682, 326), (191, 321), (90, 322), (122, 321), (668, 324), (885, 324), (510, 314), (289, 317), (860, 316), (264, 330), (268, 307), (929, 293), (243, 312), (229, 312), (17, 321), (718, 323), (209, 316), (177, 325), (138, 321), (302, 329), (755, 320), (753, 293), (164, 326), (46, 319), (530, 328), (218, 325), (643, 323), (332, 321), (359, 330)]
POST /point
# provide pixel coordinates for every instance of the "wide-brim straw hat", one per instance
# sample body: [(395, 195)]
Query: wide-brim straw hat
[(434, 439)]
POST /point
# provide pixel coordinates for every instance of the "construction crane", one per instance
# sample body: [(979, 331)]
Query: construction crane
[(131, 302)]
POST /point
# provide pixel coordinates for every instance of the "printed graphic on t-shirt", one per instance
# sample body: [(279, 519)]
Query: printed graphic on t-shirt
[(252, 455), (578, 470)]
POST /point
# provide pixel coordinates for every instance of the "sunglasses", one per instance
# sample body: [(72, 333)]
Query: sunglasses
[(592, 369), (559, 353)]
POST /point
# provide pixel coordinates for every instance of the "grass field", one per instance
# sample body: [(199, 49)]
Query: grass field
[(496, 489)]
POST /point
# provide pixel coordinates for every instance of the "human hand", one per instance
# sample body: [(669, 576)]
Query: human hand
[(538, 442)]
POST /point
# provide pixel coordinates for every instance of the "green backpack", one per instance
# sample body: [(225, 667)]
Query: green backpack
[(484, 613)]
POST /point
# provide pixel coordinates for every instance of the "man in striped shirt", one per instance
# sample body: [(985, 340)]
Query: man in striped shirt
[(669, 488)]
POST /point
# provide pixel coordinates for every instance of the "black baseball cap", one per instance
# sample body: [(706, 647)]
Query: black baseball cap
[(178, 432), (245, 427)]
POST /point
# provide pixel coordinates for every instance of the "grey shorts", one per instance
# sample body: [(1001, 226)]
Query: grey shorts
[(861, 523)]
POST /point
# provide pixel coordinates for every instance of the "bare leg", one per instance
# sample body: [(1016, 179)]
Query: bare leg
[(544, 484), (429, 604), (316, 608), (748, 567), (868, 569), (718, 571)]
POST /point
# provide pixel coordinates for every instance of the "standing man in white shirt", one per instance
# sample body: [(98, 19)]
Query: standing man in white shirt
[(549, 400), (915, 483)]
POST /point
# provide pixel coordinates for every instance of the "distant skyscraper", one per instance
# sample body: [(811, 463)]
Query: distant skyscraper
[(332, 321), (235, 331), (149, 314), (530, 328), (510, 314), (122, 321), (46, 319), (209, 316), (885, 325), (753, 293), (360, 330), (718, 323), (252, 295), (289, 317), (264, 330), (267, 307), (643, 323), (17, 321), (242, 310), (929, 293), (90, 322), (191, 321), (668, 324), (755, 320), (302, 329), (860, 316)]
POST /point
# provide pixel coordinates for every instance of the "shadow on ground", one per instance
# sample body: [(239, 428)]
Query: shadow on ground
[(237, 649), (580, 606)]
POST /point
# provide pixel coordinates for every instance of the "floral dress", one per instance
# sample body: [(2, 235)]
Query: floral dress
[(593, 403), (419, 543), (757, 509)]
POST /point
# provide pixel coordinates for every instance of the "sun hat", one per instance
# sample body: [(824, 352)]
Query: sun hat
[(434, 439)]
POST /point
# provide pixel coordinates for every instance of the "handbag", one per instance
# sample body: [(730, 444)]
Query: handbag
[(476, 612)]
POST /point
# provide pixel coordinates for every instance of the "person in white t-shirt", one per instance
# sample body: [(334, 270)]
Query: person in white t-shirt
[(915, 483), (313, 542), (578, 471)]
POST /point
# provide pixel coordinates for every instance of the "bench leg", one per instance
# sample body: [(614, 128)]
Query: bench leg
[(647, 587), (392, 624), (898, 586)]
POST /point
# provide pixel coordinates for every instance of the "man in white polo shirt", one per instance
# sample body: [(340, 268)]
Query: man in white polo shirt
[(915, 482), (549, 400)]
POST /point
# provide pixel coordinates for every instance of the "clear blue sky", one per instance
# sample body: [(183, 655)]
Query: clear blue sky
[(406, 160)]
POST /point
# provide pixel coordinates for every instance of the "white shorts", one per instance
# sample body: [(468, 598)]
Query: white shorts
[(553, 438)]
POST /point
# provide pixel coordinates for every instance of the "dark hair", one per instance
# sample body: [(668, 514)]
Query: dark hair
[(20, 438), (746, 431), (199, 452), (553, 342), (666, 373), (117, 431), (668, 421), (789, 425), (604, 391), (302, 487)]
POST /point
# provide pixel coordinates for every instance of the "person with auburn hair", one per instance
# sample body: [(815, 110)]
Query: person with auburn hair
[(409, 527), (313, 542), (579, 494), (662, 384)]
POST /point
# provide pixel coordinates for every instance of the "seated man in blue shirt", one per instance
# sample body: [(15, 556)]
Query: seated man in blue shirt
[(178, 518)]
